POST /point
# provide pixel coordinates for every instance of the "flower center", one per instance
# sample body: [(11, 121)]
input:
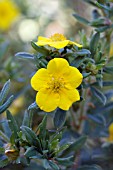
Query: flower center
[(56, 84), (57, 37)]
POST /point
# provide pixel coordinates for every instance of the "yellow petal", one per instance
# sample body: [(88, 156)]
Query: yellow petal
[(73, 77), (39, 80), (67, 97), (78, 45), (110, 138), (111, 128), (59, 44), (42, 41), (57, 66), (47, 100)]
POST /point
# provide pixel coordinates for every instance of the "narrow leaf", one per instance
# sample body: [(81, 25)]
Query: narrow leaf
[(26, 119), (108, 69), (81, 19), (4, 92), (31, 136), (105, 83), (42, 128), (53, 165), (6, 104), (33, 106), (90, 167), (94, 42), (32, 153), (59, 118), (24, 55), (86, 74), (3, 163), (12, 123), (2, 150), (101, 6), (65, 161), (99, 95), (4, 137), (76, 146), (99, 119), (83, 52)]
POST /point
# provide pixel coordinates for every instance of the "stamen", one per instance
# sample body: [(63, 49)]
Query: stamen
[(57, 37), (56, 84)]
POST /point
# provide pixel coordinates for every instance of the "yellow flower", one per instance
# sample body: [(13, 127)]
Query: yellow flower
[(57, 41), (111, 50), (8, 12), (56, 85), (110, 129)]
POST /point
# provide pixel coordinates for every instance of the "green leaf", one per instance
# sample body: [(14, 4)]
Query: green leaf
[(31, 137), (76, 146), (42, 128), (24, 55), (33, 106), (4, 92), (4, 137), (99, 119), (105, 83), (86, 74), (108, 69), (41, 50), (6, 104), (98, 22), (26, 121), (81, 19), (101, 6), (92, 2), (2, 150), (25, 161), (90, 167), (3, 163), (12, 123), (53, 165), (104, 109), (62, 148), (12, 138), (65, 161), (99, 95), (32, 153), (59, 118), (83, 52), (46, 164), (94, 42), (80, 60), (102, 29), (57, 135)]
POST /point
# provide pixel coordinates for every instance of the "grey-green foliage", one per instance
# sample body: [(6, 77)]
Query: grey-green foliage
[(4, 102)]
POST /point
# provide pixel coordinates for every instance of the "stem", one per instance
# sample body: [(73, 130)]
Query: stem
[(30, 118), (83, 109), (73, 119)]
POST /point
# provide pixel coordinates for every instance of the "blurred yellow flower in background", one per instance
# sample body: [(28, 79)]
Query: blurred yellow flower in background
[(8, 13), (110, 129), (111, 50), (57, 41), (56, 85)]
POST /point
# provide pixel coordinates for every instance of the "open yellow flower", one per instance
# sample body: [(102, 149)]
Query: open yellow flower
[(56, 85), (8, 13), (57, 41)]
